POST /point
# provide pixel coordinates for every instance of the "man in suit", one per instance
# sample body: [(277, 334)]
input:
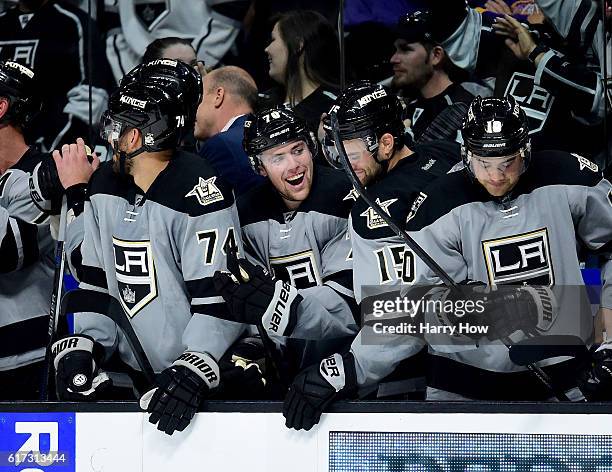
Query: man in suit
[(229, 95)]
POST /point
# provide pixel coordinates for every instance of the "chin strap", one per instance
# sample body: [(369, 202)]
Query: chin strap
[(124, 156)]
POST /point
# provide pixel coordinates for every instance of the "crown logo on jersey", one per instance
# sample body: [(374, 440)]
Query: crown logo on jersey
[(352, 195), (206, 191), (129, 295), (374, 221)]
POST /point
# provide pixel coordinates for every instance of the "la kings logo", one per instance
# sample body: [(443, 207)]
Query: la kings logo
[(21, 51), (206, 191), (135, 273), (535, 100), (374, 221), (519, 258), (151, 12), (299, 269)]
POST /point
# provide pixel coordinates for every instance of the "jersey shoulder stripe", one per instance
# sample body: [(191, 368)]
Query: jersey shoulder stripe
[(187, 185)]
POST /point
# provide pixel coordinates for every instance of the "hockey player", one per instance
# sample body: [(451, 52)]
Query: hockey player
[(294, 225), (422, 67), (26, 293), (372, 131), (156, 222), (504, 219)]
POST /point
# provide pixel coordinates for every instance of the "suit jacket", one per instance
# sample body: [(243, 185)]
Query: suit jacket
[(225, 153)]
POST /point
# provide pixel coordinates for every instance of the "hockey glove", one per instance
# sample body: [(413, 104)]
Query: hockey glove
[(253, 297), (76, 375), (316, 387), (180, 390), (243, 369), (506, 309), (45, 187), (596, 380)]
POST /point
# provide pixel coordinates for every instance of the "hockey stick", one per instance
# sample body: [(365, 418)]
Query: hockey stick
[(411, 243), (56, 295), (531, 350), (81, 300)]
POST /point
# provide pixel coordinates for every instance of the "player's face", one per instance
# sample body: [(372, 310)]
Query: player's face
[(411, 65), (289, 168), (124, 145), (362, 161), (498, 175), (277, 56), (205, 115)]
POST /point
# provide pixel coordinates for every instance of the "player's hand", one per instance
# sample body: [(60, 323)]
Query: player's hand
[(507, 309), (73, 163), (180, 391), (243, 369), (498, 6), (596, 380), (519, 39), (253, 297), (316, 387), (76, 375)]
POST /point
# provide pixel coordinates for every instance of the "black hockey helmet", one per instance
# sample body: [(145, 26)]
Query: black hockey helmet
[(175, 76), (273, 127), (495, 127), (366, 111), (150, 108), (18, 86)]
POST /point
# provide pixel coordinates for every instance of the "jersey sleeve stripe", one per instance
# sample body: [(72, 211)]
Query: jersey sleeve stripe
[(201, 288), (94, 276), (218, 310)]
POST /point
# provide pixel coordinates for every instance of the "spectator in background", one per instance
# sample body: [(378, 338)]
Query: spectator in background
[(558, 84), (304, 60), (174, 48), (422, 69), (211, 26), (53, 39), (181, 50), (229, 94)]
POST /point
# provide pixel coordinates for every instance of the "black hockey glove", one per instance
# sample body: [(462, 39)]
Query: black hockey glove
[(316, 387), (77, 377), (45, 187), (596, 380), (505, 310), (243, 369), (253, 297), (180, 391)]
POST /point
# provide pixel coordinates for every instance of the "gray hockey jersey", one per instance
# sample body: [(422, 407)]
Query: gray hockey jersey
[(156, 253), (307, 248), (25, 294), (379, 256), (560, 203)]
